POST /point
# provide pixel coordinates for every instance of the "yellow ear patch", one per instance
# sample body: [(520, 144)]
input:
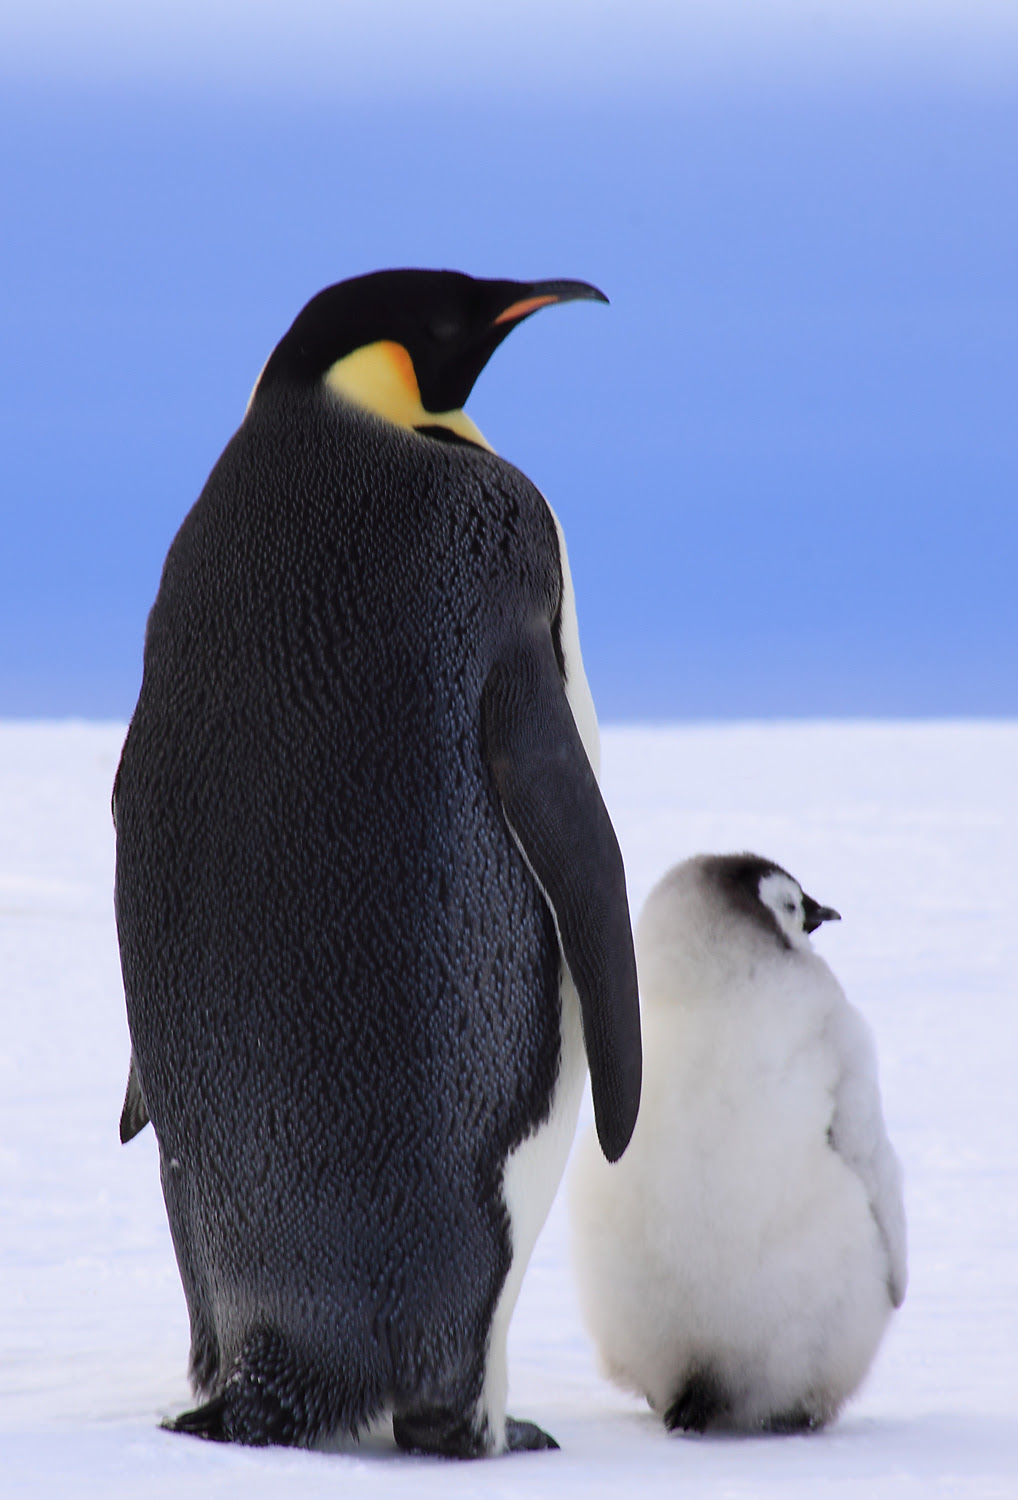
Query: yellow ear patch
[(380, 378)]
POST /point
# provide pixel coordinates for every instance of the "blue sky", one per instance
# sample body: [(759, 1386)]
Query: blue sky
[(786, 457)]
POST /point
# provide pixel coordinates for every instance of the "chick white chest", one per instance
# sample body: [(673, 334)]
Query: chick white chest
[(733, 1127)]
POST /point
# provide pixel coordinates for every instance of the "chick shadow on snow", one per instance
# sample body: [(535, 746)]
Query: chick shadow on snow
[(929, 1446)]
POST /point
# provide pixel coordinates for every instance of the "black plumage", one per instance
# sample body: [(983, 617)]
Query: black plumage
[(342, 978)]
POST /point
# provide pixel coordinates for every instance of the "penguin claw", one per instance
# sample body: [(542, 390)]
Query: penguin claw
[(526, 1437), (203, 1422), (439, 1432)]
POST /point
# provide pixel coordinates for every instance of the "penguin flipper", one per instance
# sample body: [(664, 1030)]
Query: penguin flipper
[(859, 1136), (555, 813), (134, 1115)]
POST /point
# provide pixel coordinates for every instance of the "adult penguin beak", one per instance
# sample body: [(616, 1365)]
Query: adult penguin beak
[(448, 382), (813, 913), (543, 294)]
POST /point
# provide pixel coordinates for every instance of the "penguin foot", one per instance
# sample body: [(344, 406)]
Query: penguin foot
[(206, 1421), (700, 1402), (789, 1422), (441, 1431), (275, 1396), (438, 1430), (526, 1437)]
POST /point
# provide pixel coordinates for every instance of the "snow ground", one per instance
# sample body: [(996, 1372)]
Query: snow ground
[(910, 830)]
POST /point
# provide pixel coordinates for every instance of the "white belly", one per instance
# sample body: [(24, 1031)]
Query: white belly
[(531, 1178), (534, 1170)]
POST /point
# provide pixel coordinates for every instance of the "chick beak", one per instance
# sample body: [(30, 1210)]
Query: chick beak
[(813, 914)]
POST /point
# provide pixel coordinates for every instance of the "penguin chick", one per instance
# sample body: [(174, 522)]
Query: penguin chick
[(740, 1264)]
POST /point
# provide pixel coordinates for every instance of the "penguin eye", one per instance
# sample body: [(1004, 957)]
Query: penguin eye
[(443, 327), (790, 907)]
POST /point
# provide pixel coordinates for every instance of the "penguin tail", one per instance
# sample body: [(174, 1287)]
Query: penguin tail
[(134, 1116)]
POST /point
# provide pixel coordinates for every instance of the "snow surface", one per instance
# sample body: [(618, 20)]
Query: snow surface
[(909, 830)]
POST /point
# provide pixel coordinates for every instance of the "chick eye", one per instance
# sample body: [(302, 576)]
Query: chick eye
[(790, 906)]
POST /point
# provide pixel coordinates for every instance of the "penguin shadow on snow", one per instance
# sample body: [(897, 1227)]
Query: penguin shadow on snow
[(739, 1266)]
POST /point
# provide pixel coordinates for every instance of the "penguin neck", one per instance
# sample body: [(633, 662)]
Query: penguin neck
[(380, 378), (707, 975)]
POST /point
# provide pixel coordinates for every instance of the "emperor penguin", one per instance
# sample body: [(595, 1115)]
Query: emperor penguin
[(371, 907), (738, 1267)]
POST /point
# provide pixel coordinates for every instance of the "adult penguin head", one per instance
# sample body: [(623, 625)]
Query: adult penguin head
[(409, 345)]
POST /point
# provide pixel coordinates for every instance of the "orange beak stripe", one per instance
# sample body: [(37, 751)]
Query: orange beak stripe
[(521, 309)]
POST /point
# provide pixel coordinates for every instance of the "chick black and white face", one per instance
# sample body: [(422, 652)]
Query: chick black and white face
[(782, 896), (766, 895), (796, 914)]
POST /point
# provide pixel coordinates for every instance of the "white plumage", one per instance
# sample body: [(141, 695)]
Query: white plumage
[(739, 1265)]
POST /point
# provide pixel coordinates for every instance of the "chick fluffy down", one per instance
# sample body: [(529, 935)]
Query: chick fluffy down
[(754, 1227)]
